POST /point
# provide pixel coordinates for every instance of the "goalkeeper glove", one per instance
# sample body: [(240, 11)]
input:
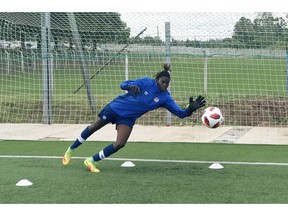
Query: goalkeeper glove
[(195, 105), (134, 89)]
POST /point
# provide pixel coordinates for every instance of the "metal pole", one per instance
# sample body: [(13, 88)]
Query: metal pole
[(126, 66), (34, 61), (51, 74), (46, 68), (168, 61), (22, 61), (74, 59), (205, 71), (8, 61)]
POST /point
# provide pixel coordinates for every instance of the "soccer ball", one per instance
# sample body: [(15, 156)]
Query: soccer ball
[(212, 117)]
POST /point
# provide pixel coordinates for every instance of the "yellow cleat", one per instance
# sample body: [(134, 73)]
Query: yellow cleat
[(67, 156), (91, 165)]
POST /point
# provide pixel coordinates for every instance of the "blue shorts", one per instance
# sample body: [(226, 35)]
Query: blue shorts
[(108, 115)]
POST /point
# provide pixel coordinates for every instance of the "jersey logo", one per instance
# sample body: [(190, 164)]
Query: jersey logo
[(146, 93), (156, 99)]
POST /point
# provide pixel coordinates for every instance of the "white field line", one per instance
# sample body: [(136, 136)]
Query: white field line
[(152, 160)]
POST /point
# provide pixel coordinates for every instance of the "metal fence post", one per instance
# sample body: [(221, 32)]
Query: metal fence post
[(168, 61)]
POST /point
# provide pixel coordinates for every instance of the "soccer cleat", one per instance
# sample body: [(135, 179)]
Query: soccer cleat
[(67, 156), (91, 165)]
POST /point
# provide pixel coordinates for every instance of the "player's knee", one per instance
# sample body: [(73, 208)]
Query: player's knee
[(118, 145), (96, 126), (92, 127)]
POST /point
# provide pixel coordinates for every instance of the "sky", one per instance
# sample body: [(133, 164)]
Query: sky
[(185, 25), (142, 6)]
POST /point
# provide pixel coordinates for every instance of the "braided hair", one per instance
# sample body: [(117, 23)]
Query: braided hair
[(165, 72)]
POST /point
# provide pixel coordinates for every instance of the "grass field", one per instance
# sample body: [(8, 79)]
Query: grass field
[(165, 173)]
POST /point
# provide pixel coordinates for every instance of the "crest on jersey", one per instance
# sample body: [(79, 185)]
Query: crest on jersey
[(156, 99)]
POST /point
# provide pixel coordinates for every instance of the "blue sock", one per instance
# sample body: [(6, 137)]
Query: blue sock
[(82, 138), (106, 152)]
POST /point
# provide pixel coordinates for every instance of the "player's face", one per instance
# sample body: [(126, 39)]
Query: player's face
[(163, 83)]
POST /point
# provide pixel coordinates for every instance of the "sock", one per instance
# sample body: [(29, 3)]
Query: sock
[(106, 152), (90, 159), (82, 138), (69, 149)]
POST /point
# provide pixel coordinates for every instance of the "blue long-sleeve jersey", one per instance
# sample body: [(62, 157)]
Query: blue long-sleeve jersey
[(132, 105)]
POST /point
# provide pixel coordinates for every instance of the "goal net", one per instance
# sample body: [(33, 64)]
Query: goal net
[(65, 67)]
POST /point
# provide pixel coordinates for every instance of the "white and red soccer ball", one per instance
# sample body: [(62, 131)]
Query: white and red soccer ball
[(212, 117)]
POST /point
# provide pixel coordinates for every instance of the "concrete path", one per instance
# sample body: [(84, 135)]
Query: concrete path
[(224, 134)]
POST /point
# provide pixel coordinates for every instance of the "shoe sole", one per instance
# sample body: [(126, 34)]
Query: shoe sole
[(65, 162)]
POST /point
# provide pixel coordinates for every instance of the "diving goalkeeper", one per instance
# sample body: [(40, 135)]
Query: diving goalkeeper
[(143, 95)]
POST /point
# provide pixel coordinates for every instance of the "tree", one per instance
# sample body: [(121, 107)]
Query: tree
[(244, 32), (95, 27), (266, 28), (264, 31)]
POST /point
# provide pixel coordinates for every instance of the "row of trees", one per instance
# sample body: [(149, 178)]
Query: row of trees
[(265, 31), (94, 28)]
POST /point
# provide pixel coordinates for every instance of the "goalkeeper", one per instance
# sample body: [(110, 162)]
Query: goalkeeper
[(143, 95)]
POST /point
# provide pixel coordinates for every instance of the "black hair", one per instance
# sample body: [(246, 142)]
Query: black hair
[(165, 72)]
